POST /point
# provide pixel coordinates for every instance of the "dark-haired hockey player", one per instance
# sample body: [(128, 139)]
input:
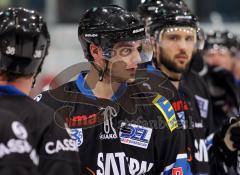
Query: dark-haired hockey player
[(120, 128)]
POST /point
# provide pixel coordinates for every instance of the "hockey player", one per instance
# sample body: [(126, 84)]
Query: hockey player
[(120, 129), (31, 140), (218, 54), (176, 36)]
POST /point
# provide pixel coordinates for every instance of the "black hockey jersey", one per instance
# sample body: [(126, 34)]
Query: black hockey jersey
[(130, 134), (55, 152), (224, 93), (225, 96), (17, 154), (192, 105)]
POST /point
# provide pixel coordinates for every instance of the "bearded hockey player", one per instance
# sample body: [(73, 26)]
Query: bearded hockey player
[(175, 35)]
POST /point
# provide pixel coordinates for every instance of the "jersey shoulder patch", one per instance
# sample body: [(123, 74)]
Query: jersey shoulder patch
[(165, 107)]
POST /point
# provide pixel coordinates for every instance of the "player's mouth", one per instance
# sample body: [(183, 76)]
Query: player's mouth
[(181, 57), (132, 71)]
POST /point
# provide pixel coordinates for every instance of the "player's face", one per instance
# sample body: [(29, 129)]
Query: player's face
[(125, 60), (219, 56), (176, 48)]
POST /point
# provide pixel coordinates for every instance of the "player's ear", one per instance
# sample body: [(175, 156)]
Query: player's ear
[(96, 52)]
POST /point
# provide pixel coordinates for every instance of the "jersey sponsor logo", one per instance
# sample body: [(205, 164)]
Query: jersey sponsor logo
[(198, 125), (38, 97), (167, 110), (180, 105), (19, 130), (135, 135), (202, 105), (82, 120), (107, 136), (19, 145), (61, 145), (77, 135), (202, 154), (119, 164), (109, 131)]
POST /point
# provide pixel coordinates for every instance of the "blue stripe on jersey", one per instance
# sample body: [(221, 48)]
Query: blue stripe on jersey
[(10, 90), (155, 71), (84, 88)]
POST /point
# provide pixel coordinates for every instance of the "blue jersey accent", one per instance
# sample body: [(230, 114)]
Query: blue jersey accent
[(10, 90), (84, 88), (209, 141), (180, 167)]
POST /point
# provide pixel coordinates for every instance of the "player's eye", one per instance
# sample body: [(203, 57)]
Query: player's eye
[(125, 51), (190, 38), (173, 38), (140, 48)]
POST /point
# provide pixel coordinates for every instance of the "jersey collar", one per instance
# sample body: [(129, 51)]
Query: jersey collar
[(84, 88), (10, 90)]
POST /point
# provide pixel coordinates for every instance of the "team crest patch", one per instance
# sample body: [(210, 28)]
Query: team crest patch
[(202, 105), (77, 135), (167, 110), (135, 135)]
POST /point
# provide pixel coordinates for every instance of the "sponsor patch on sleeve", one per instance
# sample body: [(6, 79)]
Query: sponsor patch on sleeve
[(167, 110)]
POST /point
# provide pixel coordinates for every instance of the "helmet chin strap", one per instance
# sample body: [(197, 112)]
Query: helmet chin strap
[(36, 74), (100, 71)]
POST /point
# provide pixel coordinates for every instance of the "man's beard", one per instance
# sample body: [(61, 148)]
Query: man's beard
[(171, 65)]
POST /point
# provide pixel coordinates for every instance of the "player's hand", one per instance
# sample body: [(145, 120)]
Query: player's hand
[(232, 136)]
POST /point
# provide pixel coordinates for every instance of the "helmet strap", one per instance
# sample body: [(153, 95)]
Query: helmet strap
[(101, 72), (37, 73)]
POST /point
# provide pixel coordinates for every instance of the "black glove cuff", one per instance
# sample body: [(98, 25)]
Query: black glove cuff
[(221, 150)]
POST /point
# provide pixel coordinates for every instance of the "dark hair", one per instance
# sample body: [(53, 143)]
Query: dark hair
[(10, 77)]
